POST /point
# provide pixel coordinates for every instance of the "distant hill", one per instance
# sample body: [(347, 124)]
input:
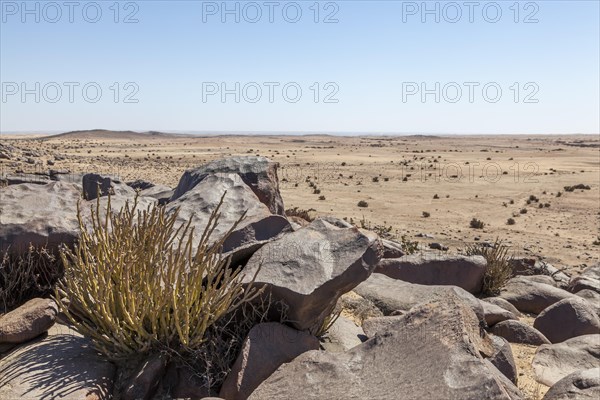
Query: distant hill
[(107, 134)]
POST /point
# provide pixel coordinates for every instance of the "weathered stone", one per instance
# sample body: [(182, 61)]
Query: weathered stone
[(494, 314), (390, 295), (503, 358), (309, 269), (391, 249), (145, 381), (439, 346), (589, 279), (95, 185), (43, 215), (342, 335), (566, 319), (532, 297), (539, 279), (381, 325), (28, 321), (503, 304), (434, 269), (553, 362), (592, 297), (258, 173), (63, 365), (519, 332), (268, 346), (580, 385)]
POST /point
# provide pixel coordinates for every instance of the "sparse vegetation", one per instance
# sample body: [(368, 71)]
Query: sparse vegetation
[(321, 197), (476, 224), (523, 211), (498, 269), (301, 213), (363, 204), (426, 214), (510, 221), (580, 186)]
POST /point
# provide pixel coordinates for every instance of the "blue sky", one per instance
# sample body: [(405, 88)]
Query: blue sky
[(367, 72)]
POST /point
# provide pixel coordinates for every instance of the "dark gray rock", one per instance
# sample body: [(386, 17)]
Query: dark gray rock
[(592, 297), (532, 297), (391, 295), (580, 385), (309, 269), (434, 269), (503, 304), (519, 332), (503, 358), (145, 381), (553, 362), (267, 347), (566, 319), (95, 185), (434, 355), (258, 173), (43, 215), (494, 314)]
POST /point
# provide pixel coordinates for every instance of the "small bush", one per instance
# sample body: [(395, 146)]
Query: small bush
[(498, 269), (301, 213), (523, 211), (558, 194), (510, 221), (24, 277), (476, 224), (134, 285), (435, 196), (363, 204), (375, 179), (321, 197), (579, 186), (426, 214)]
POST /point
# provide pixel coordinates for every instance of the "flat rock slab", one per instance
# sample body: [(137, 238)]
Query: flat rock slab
[(519, 332), (28, 321), (566, 319), (531, 296), (309, 269), (63, 365), (553, 362), (434, 269), (580, 385), (435, 355)]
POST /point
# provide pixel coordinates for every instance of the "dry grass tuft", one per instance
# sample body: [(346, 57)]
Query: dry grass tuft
[(498, 269)]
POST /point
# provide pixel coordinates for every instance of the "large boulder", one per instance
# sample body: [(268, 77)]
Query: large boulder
[(258, 226), (96, 185), (553, 362), (519, 332), (43, 215), (258, 173), (589, 279), (494, 314), (391, 295), (503, 358), (592, 297), (580, 385), (503, 304), (433, 354), (63, 365), (435, 269), (530, 296), (566, 319), (28, 321), (306, 271), (268, 346)]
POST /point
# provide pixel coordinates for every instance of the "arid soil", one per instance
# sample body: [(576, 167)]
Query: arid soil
[(489, 178)]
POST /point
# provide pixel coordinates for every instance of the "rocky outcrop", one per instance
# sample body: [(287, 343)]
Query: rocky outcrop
[(258, 173), (553, 362), (268, 346), (566, 319), (438, 343)]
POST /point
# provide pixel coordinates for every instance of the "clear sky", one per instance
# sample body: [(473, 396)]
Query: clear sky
[(363, 66)]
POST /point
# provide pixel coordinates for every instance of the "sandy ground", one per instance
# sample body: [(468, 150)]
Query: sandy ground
[(485, 177)]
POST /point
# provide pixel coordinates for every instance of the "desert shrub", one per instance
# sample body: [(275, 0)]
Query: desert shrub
[(408, 246), (301, 213), (476, 224), (579, 186), (134, 285), (363, 203), (498, 269), (523, 211), (328, 322), (375, 179), (510, 221), (558, 194), (426, 214), (23, 277), (512, 201), (435, 196), (321, 197), (316, 191)]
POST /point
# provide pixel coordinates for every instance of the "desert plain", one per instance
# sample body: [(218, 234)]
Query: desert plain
[(425, 188)]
